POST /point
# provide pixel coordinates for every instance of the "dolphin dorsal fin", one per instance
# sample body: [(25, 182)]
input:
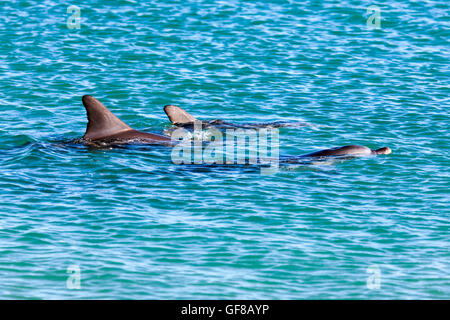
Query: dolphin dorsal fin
[(177, 115), (101, 122)]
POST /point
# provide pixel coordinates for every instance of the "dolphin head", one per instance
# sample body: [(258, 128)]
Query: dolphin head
[(384, 150)]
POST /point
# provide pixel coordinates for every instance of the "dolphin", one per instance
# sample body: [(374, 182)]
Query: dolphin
[(338, 153), (350, 150), (182, 118), (104, 127)]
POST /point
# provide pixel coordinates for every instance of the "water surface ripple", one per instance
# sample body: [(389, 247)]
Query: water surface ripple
[(141, 227)]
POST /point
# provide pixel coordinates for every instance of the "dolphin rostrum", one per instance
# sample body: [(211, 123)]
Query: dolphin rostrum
[(104, 126)]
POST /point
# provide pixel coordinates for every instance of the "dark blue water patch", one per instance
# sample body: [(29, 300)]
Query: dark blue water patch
[(9, 142)]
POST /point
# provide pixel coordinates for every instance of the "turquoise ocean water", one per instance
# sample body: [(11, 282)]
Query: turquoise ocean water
[(131, 224)]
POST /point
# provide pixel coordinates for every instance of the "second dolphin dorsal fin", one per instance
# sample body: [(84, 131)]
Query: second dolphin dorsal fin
[(177, 115), (101, 122)]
